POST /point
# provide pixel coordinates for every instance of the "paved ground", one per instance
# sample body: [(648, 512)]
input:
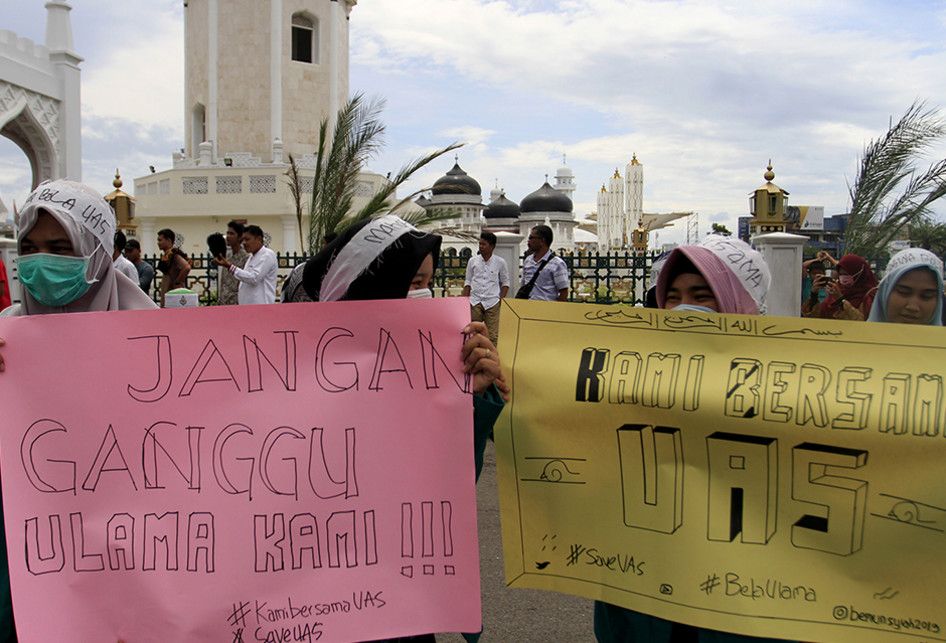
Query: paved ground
[(518, 615)]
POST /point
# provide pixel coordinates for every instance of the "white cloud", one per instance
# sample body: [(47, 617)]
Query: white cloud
[(704, 91), (139, 77)]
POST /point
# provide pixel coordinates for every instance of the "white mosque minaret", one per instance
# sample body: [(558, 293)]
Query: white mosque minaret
[(259, 78)]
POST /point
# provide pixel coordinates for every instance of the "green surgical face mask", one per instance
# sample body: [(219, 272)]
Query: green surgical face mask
[(53, 280)]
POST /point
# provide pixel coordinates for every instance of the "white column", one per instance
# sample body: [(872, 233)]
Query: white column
[(58, 26), (334, 68), (275, 71), (507, 247), (147, 236), (66, 64), (783, 253), (213, 73), (290, 233)]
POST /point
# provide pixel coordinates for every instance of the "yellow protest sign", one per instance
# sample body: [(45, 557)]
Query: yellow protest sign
[(767, 476)]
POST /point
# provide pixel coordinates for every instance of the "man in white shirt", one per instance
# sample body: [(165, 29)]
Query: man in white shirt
[(122, 265), (487, 281), (258, 276)]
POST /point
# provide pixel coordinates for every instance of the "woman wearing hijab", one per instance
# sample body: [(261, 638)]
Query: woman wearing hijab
[(388, 258), (65, 244), (722, 275), (849, 297), (912, 290)]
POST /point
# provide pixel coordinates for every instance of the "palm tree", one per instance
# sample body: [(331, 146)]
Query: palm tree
[(357, 136), (930, 235), (891, 192)]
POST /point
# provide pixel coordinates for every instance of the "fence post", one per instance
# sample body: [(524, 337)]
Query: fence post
[(783, 253), (508, 246)]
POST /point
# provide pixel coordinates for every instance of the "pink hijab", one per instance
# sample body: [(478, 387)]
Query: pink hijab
[(731, 268)]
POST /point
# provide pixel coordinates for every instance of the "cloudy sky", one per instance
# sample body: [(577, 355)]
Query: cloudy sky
[(703, 91)]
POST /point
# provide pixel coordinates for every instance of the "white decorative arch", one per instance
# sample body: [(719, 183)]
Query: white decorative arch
[(39, 97), (32, 121)]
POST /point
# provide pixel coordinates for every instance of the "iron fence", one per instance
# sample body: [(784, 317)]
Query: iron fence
[(619, 277), (204, 273)]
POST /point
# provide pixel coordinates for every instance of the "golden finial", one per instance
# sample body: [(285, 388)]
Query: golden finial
[(634, 160), (117, 182), (603, 189), (769, 174), (616, 174)]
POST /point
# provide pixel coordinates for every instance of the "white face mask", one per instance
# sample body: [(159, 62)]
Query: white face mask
[(420, 293), (692, 308)]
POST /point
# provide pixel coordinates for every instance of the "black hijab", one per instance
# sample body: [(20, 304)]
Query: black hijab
[(388, 276)]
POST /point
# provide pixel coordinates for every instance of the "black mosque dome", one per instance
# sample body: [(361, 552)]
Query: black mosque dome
[(501, 208), (456, 181), (546, 199)]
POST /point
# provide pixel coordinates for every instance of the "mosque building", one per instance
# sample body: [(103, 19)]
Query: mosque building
[(619, 225), (621, 210), (457, 197)]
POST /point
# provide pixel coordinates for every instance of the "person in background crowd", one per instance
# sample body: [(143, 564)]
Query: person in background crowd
[(487, 281), (850, 296), (144, 269), (911, 291), (173, 264), (122, 264), (65, 266), (650, 297), (724, 275), (229, 286), (813, 283), (6, 297), (258, 276), (544, 274)]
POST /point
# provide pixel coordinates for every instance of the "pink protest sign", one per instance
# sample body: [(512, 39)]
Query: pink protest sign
[(275, 473)]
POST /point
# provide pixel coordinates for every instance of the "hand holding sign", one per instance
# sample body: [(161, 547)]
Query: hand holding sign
[(481, 360)]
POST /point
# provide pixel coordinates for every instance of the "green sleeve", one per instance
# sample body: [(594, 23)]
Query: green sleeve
[(486, 408)]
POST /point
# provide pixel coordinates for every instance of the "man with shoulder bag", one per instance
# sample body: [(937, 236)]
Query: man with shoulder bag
[(544, 274)]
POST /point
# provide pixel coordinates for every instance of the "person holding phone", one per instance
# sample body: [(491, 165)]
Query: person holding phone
[(851, 294)]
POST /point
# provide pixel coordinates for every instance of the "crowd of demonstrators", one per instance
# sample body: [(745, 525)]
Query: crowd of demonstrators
[(122, 265), (697, 278), (544, 274), (144, 269), (911, 291), (847, 286), (486, 282), (173, 264), (67, 266)]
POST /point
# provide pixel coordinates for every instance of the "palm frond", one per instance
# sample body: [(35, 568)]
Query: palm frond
[(890, 191), (380, 201)]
